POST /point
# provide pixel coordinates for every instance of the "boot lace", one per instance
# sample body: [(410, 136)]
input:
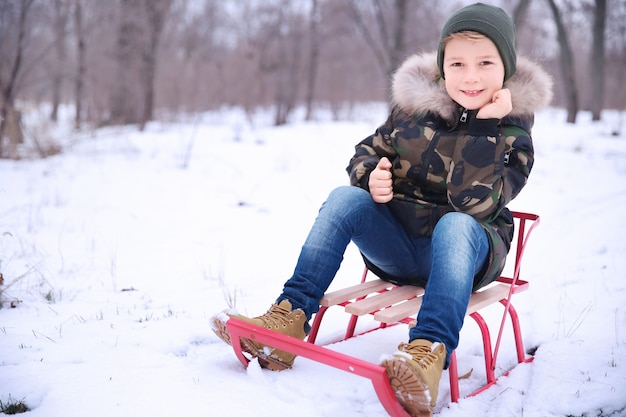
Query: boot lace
[(421, 354), (277, 317)]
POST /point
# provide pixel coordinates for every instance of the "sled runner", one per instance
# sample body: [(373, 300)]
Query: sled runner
[(391, 305)]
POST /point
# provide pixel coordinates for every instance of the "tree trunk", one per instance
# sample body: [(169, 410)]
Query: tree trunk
[(379, 52), (286, 80), (10, 126), (390, 54), (399, 38), (60, 34), (280, 59), (567, 65), (79, 81), (520, 12), (11, 129), (156, 12), (597, 60), (313, 57), (125, 99)]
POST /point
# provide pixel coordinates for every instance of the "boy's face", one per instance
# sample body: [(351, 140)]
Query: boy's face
[(473, 71)]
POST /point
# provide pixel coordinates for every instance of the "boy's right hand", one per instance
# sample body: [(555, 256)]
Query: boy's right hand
[(499, 106), (380, 182)]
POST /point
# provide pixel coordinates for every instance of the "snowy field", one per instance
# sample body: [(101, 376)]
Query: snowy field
[(117, 251)]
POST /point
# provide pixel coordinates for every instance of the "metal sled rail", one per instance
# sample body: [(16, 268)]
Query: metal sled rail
[(375, 373)]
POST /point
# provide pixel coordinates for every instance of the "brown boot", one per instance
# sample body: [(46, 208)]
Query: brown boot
[(414, 373), (279, 318)]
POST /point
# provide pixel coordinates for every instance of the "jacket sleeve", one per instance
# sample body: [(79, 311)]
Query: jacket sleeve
[(369, 151), (490, 166)]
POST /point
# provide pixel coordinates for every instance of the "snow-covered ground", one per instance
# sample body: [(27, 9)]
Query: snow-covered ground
[(121, 248)]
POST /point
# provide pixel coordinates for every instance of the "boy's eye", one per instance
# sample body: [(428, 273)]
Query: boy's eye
[(456, 64), (486, 63)]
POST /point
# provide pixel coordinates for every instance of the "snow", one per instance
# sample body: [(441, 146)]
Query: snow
[(121, 248)]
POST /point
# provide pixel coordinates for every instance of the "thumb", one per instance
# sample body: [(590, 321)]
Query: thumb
[(384, 164)]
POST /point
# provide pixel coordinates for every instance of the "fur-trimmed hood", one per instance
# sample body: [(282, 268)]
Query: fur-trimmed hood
[(418, 88)]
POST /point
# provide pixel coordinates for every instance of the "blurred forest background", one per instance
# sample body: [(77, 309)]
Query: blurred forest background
[(121, 62)]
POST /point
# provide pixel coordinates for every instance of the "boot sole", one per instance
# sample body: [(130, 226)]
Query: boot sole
[(408, 388), (220, 330), (266, 361)]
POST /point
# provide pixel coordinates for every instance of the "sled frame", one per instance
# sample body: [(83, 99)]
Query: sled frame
[(385, 301)]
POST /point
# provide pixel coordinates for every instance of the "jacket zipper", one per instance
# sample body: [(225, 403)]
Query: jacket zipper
[(463, 118)]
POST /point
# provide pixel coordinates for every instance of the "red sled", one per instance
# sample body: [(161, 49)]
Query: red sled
[(391, 305)]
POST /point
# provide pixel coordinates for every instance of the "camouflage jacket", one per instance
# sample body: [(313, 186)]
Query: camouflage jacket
[(444, 159)]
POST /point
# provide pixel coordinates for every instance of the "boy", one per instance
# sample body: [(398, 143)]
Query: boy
[(428, 195)]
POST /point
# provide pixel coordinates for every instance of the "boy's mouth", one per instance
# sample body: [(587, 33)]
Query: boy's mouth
[(471, 93)]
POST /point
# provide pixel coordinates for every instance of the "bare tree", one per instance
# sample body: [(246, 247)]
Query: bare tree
[(60, 48), (285, 69), (14, 16), (567, 65), (192, 65), (398, 44), (79, 78), (156, 12), (520, 12), (314, 21), (125, 99), (389, 46), (615, 87), (597, 59), (275, 47)]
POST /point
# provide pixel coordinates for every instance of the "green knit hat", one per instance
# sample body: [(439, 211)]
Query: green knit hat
[(491, 21)]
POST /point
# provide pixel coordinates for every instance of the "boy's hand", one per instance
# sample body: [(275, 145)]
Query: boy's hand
[(380, 182), (499, 106)]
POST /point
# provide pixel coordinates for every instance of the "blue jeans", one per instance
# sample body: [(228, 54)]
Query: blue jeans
[(448, 261)]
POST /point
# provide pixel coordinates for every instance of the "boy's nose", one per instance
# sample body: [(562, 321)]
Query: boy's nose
[(471, 76)]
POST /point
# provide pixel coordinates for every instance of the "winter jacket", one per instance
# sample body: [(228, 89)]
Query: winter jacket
[(445, 159)]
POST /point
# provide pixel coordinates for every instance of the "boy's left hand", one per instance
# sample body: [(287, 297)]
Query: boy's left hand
[(499, 106)]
